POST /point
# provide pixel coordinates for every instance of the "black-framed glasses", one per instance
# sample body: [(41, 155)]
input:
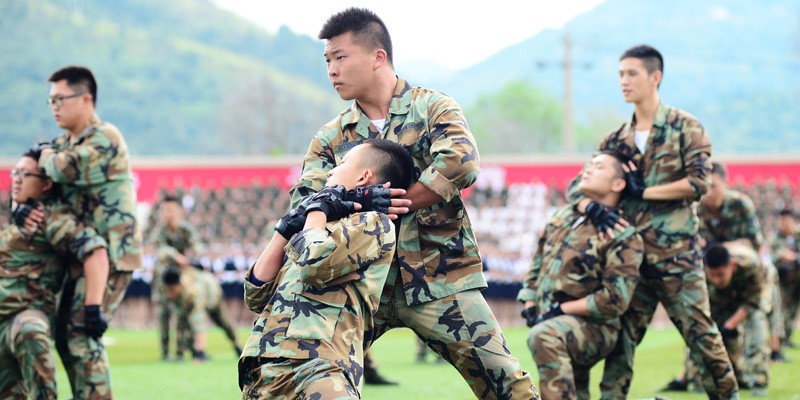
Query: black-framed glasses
[(18, 173), (58, 100)]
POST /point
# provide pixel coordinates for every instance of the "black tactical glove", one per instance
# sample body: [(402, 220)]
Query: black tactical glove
[(94, 321), (728, 334), (552, 312), (634, 185), (294, 221), (371, 198), (20, 213), (530, 314), (603, 217), (331, 202)]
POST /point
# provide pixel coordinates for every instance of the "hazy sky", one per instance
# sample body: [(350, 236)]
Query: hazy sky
[(453, 34)]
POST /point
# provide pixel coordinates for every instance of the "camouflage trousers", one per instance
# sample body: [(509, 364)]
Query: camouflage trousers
[(775, 315), (790, 290), (28, 367), (735, 349), (217, 317), (85, 358), (182, 335), (756, 349), (462, 329), (565, 348), (287, 379), (680, 285)]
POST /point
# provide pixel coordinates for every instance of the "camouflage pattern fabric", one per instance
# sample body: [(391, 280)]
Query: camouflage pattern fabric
[(320, 304), (571, 263), (775, 306), (565, 349), (29, 369), (201, 296), (185, 241), (735, 220), (789, 277), (744, 290), (463, 331), (290, 379), (677, 148), (436, 249), (96, 180), (85, 358), (756, 349)]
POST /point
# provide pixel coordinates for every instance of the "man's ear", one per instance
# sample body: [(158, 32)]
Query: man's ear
[(656, 76), (366, 177), (48, 184), (618, 185), (381, 59)]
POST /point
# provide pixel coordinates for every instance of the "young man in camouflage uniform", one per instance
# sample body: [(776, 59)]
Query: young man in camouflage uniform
[(195, 294), (729, 216), (434, 284), (314, 310), (578, 287), (90, 161), (735, 282), (176, 242), (31, 273), (669, 170), (785, 251)]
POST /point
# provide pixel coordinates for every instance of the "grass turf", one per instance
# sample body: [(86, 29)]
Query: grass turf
[(138, 372)]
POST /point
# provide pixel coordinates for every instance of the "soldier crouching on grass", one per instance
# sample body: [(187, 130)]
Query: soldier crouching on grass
[(32, 268), (308, 341), (580, 282)]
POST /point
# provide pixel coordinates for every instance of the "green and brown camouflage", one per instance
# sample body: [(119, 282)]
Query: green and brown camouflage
[(677, 148), (29, 368), (565, 348), (32, 266), (735, 220), (744, 289), (324, 297), (573, 262), (436, 249), (290, 379), (788, 276), (97, 182)]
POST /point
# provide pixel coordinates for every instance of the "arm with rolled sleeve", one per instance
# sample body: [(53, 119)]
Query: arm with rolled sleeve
[(620, 276), (455, 164), (257, 296), (326, 254)]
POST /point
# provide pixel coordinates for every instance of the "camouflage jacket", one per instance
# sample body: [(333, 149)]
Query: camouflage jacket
[(32, 264), (573, 262), (436, 249), (744, 289), (183, 240), (779, 242), (326, 294), (96, 181), (736, 220), (677, 148), (200, 291)]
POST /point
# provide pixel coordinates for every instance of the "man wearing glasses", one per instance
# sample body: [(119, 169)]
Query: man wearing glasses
[(90, 161)]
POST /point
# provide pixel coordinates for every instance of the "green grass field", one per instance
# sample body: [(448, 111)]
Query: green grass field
[(138, 373)]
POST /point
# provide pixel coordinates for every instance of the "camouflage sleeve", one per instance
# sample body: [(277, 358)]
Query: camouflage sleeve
[(68, 236), (528, 291), (319, 159), (752, 298), (696, 152), (751, 226), (85, 165), (621, 274), (453, 149), (257, 297), (342, 247)]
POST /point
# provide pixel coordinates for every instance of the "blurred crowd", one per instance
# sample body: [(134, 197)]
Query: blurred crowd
[(234, 223)]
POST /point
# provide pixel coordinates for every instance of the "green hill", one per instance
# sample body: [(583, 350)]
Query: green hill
[(177, 77)]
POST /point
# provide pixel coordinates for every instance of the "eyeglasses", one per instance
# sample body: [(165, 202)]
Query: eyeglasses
[(58, 101), (18, 173)]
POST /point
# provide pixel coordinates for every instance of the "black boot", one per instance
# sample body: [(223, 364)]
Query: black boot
[(372, 377), (675, 386)]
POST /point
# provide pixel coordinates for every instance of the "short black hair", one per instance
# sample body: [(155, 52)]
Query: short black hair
[(719, 169), (368, 29), (716, 256), (651, 57), (171, 199), (787, 212), (172, 276), (391, 161), (618, 171), (78, 78)]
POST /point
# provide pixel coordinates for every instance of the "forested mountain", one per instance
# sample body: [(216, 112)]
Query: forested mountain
[(177, 77), (185, 77)]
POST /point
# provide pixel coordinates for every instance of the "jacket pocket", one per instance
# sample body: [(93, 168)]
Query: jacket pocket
[(316, 315)]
